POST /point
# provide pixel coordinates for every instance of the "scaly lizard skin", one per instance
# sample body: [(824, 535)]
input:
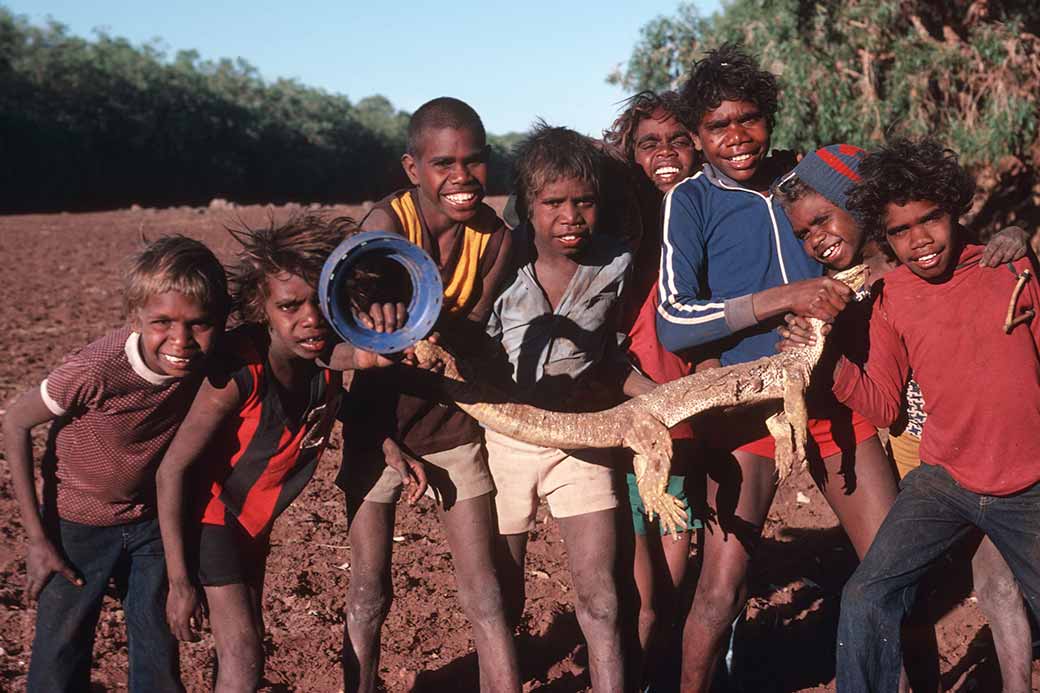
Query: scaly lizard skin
[(641, 424)]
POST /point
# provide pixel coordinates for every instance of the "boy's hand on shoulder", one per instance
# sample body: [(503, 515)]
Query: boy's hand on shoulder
[(412, 471), (41, 562), (383, 317), (184, 611), (1007, 245)]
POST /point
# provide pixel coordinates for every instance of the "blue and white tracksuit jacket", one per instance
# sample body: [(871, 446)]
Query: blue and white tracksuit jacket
[(723, 243)]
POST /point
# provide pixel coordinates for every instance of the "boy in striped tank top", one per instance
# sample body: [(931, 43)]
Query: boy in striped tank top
[(398, 416)]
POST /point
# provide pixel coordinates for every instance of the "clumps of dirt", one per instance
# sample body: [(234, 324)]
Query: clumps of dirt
[(61, 275)]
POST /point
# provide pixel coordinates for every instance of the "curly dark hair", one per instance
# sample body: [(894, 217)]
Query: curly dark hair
[(728, 74), (550, 153), (908, 170), (622, 133), (299, 246)]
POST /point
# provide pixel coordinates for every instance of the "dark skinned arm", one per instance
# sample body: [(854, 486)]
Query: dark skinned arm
[(211, 407), (43, 559), (411, 469), (822, 298), (382, 317), (636, 384)]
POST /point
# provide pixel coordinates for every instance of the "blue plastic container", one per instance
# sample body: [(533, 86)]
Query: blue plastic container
[(423, 309)]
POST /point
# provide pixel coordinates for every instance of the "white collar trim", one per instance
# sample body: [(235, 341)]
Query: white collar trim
[(133, 353)]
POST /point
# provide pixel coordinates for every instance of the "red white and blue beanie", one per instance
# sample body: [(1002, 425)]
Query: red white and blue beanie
[(831, 171)]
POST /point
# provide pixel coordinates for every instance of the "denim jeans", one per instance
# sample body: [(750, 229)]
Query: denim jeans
[(66, 616), (931, 513)]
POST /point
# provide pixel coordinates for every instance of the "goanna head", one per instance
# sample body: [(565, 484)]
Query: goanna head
[(855, 278)]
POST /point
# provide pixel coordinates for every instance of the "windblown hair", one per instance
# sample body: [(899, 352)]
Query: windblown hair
[(907, 171), (300, 246), (176, 263), (442, 112), (549, 154), (729, 74), (622, 133), (789, 189)]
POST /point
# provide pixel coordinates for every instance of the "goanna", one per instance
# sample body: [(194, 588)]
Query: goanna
[(641, 424)]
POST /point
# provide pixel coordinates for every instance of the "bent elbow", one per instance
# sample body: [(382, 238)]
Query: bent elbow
[(671, 337), (888, 418), (166, 475)]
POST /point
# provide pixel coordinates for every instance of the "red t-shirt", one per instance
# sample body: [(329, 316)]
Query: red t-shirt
[(116, 418), (981, 387)]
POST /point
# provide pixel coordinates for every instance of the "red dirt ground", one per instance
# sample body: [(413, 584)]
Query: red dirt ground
[(60, 275)]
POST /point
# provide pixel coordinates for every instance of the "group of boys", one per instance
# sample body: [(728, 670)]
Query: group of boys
[(536, 309)]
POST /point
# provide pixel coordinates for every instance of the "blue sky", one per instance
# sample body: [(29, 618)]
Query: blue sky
[(512, 61)]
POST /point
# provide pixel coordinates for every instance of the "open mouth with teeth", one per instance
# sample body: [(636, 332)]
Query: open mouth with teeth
[(743, 160), (314, 344), (666, 171), (927, 261), (830, 250), (462, 200), (573, 240), (178, 362)]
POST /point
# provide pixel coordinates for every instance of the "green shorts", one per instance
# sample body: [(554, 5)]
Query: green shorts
[(676, 487)]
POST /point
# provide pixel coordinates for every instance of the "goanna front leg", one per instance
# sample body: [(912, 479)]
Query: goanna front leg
[(795, 384), (783, 439), (653, 491), (649, 439), (789, 428)]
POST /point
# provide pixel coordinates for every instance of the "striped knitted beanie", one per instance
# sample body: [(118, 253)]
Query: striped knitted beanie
[(831, 171)]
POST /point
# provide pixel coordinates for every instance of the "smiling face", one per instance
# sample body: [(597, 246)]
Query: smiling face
[(829, 234), (177, 332), (295, 323), (563, 215), (450, 170), (734, 139), (663, 148), (923, 237)]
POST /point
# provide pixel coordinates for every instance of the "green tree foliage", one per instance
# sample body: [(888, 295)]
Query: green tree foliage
[(859, 71), (103, 123)]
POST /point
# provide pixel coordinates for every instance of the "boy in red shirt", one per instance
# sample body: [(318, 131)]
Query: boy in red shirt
[(116, 404), (970, 336), (815, 197)]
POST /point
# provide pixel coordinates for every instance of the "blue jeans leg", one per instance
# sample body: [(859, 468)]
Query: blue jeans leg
[(1013, 525), (930, 515), (66, 615), (153, 653)]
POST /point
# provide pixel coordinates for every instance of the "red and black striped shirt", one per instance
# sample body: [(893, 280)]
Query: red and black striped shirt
[(262, 457)]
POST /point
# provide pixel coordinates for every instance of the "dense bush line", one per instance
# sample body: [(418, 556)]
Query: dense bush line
[(103, 123), (965, 71)]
